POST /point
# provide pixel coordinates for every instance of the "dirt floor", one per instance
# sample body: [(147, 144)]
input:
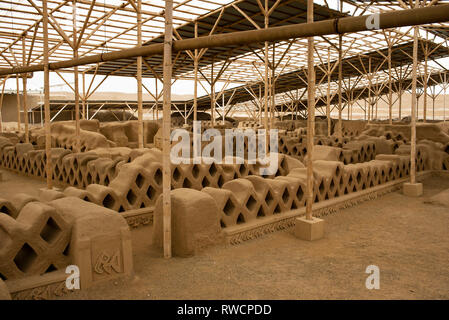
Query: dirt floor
[(405, 237)]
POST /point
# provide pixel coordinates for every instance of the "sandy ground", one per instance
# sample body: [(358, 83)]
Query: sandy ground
[(405, 237)]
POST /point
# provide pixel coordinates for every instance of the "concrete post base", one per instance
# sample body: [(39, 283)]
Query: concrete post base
[(309, 230), (413, 189)]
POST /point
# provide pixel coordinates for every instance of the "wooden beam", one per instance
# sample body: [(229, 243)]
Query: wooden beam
[(48, 139), (310, 114), (166, 165)]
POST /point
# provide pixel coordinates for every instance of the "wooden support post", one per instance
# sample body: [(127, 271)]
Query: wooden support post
[(433, 107), (425, 87), (271, 82), (47, 97), (83, 101), (328, 101), (76, 81), (266, 23), (195, 84), (390, 89), (19, 121), (157, 100), (400, 99), (139, 77), (25, 92), (340, 84), (1, 103), (370, 78), (166, 165), (351, 103), (414, 102), (212, 94), (444, 97), (310, 114)]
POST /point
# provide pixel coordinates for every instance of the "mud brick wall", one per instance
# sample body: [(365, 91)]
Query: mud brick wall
[(248, 199), (46, 235), (34, 238), (138, 184)]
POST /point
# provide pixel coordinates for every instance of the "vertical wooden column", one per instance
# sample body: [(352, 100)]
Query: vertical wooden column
[(413, 120), (328, 101), (266, 22), (212, 94), (310, 113), (351, 103), (25, 92), (195, 84), (433, 107), (425, 86), (157, 100), (348, 95), (47, 97), (19, 121), (444, 97), (166, 199), (76, 81), (260, 105), (340, 83), (1, 103), (139, 76), (390, 89), (271, 82), (83, 100), (370, 77), (400, 99)]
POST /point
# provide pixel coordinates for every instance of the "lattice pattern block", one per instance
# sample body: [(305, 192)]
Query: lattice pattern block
[(33, 243)]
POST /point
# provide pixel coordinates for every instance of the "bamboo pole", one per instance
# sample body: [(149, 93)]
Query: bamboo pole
[(400, 99), (47, 97), (139, 77), (1, 103), (266, 23), (195, 84), (370, 78), (271, 81), (19, 121), (444, 96), (166, 198), (414, 102), (212, 94), (340, 84), (157, 100), (391, 19), (25, 93), (310, 114), (425, 88), (328, 101), (83, 101), (76, 81), (390, 89), (433, 107)]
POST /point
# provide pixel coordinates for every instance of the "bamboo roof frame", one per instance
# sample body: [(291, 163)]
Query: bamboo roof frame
[(287, 56)]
